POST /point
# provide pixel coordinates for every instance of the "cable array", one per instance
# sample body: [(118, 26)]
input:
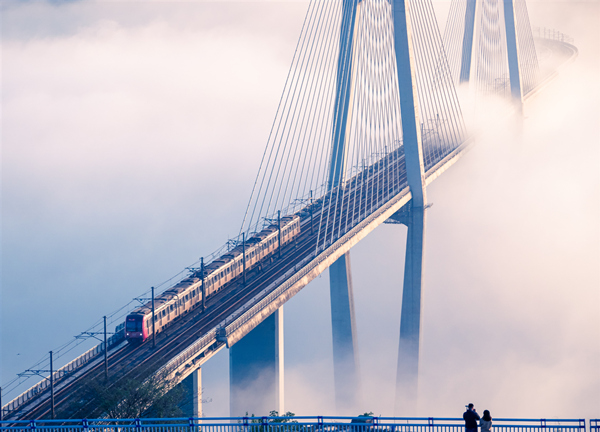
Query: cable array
[(490, 59), (442, 126), (492, 66), (336, 141), (335, 146), (527, 55)]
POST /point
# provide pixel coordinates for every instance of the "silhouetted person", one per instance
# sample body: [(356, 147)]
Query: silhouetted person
[(486, 422), (471, 418)]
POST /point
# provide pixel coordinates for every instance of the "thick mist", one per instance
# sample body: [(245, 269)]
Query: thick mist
[(132, 134)]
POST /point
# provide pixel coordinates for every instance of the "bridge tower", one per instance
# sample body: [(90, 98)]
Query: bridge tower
[(512, 50), (410, 320), (494, 49), (345, 350)]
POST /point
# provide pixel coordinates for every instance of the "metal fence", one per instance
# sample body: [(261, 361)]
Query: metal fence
[(294, 424), (594, 425)]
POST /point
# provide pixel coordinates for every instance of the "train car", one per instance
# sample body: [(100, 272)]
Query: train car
[(134, 327), (187, 294)]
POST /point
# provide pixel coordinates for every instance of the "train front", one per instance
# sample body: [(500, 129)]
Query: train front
[(135, 331)]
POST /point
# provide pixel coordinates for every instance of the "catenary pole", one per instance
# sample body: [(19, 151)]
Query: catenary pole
[(279, 230), (153, 322), (311, 212), (51, 385), (105, 352), (244, 256), (203, 289)]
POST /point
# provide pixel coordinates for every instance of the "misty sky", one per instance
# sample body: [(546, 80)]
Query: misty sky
[(132, 132)]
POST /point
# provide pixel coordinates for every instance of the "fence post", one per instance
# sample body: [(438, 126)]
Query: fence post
[(543, 423), (84, 423), (32, 424), (583, 426)]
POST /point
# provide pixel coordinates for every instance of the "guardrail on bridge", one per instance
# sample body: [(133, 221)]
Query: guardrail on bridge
[(294, 424)]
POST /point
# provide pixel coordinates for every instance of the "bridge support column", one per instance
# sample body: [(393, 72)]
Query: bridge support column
[(193, 386), (256, 369), (197, 393), (512, 51), (410, 318), (408, 351), (345, 364), (466, 63), (345, 352)]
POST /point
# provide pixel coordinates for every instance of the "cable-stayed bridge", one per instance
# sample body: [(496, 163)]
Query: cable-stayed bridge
[(368, 118)]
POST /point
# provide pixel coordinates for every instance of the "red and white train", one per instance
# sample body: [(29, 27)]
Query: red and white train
[(187, 294)]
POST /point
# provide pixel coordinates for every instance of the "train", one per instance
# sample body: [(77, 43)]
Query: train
[(187, 294)]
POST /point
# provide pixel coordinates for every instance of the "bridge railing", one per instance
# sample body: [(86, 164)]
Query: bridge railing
[(552, 34), (61, 373), (294, 424)]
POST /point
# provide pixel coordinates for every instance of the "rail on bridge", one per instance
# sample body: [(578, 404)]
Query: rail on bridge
[(295, 424)]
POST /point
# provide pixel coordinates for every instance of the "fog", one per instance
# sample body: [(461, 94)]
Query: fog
[(132, 132)]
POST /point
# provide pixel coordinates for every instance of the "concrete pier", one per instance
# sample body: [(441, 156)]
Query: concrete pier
[(410, 318), (192, 406), (345, 352), (256, 369)]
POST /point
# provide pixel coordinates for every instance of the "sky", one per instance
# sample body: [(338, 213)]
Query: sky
[(131, 133)]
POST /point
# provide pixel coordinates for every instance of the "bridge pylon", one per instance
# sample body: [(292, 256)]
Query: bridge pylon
[(346, 372), (410, 321), (490, 46)]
